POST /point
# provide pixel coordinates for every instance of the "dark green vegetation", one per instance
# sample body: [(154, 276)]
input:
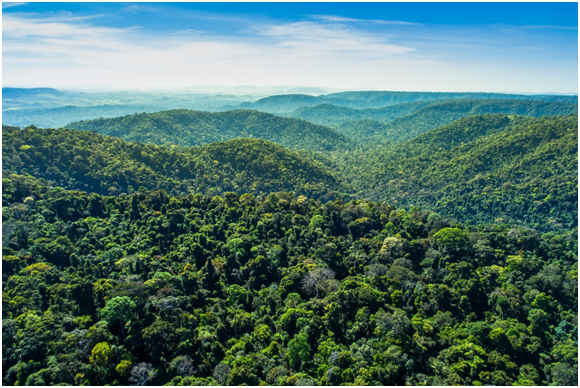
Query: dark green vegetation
[(83, 160), (148, 288), (405, 121), (480, 169), (366, 127), (242, 262), (189, 128)]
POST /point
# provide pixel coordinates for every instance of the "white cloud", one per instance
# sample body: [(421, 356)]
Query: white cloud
[(342, 19), (10, 5), (67, 51), (295, 52), (315, 40)]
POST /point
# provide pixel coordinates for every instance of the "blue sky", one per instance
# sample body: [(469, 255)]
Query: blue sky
[(499, 47)]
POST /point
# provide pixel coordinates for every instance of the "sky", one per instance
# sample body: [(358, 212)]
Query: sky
[(488, 47)]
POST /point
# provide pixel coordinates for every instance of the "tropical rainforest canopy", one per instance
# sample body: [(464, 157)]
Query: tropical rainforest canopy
[(243, 248)]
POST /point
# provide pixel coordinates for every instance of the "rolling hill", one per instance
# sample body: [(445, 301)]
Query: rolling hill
[(192, 128), (284, 104), (328, 114), (440, 113), (83, 160), (377, 99), (482, 169)]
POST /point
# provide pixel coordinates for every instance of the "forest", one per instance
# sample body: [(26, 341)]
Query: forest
[(152, 288), (479, 169), (190, 128), (395, 239)]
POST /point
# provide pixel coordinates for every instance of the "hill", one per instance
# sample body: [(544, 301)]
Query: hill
[(481, 169), (377, 99), (327, 114), (192, 128), (444, 112), (366, 132), (284, 104), (12, 93), (84, 160)]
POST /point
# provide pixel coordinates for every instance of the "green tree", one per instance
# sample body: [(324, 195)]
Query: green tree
[(120, 308), (298, 351)]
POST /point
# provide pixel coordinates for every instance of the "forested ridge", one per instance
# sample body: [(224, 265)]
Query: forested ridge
[(397, 123), (480, 169), (84, 160), (190, 128), (286, 103), (148, 288), (242, 248), (327, 114)]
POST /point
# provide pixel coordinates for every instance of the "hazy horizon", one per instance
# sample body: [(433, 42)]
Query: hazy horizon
[(263, 90), (516, 48)]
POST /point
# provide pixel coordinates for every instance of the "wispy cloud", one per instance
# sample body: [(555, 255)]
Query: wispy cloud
[(65, 50), (301, 50), (330, 39), (342, 19), (10, 5), (189, 31), (549, 27)]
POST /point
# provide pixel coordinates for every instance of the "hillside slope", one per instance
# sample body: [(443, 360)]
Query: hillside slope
[(84, 160), (445, 112), (283, 104), (192, 128), (327, 114), (481, 169), (377, 99)]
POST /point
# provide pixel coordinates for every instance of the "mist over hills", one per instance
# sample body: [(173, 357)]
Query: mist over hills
[(48, 107), (378, 99), (276, 226)]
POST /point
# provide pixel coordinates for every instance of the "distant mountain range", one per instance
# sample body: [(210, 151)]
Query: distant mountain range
[(365, 100), (52, 108)]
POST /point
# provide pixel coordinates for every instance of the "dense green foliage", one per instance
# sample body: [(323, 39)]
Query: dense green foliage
[(188, 248), (83, 160), (405, 121), (327, 114), (148, 288), (445, 112), (282, 104), (190, 128), (368, 133), (480, 169)]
